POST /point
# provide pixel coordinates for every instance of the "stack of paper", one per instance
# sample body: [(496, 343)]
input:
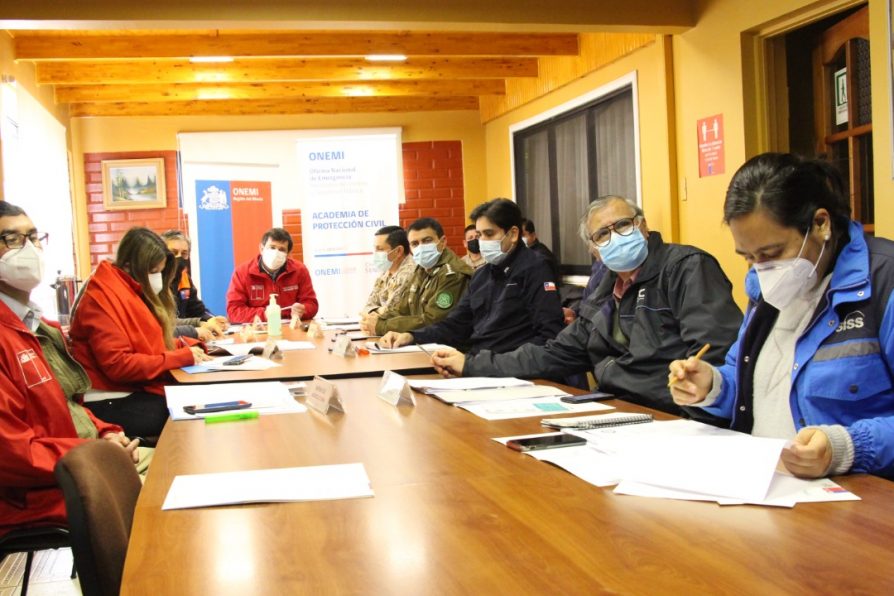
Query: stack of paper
[(683, 459), (270, 397), (497, 394), (228, 345), (501, 398), (527, 408), (313, 483), (218, 365), (374, 348), (466, 384), (344, 323)]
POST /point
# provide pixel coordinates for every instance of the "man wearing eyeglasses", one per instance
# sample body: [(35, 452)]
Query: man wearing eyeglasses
[(659, 302), (40, 414)]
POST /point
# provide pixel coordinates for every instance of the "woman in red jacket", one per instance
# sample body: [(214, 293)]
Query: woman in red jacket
[(122, 334)]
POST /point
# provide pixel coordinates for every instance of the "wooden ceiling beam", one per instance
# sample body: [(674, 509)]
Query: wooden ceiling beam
[(196, 91), (279, 69), (298, 43), (240, 107)]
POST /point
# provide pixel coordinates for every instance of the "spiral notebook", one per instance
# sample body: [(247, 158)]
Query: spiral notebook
[(598, 421)]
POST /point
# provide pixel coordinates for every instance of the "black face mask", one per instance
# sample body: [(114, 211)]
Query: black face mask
[(473, 247), (180, 266)]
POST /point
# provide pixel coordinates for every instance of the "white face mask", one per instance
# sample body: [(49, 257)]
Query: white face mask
[(156, 282), (784, 280), (22, 268), (273, 258), (492, 251)]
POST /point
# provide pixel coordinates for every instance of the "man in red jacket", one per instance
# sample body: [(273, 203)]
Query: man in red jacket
[(272, 272), (38, 421)]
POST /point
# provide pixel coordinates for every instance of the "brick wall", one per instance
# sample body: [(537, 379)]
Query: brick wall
[(107, 227), (433, 181), (291, 222)]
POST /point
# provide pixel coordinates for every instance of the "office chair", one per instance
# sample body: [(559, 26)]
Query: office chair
[(100, 486), (30, 540)]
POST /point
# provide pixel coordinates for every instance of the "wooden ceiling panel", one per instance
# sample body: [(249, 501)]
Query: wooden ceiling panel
[(278, 69), (241, 107), (267, 90), (291, 44), (146, 72)]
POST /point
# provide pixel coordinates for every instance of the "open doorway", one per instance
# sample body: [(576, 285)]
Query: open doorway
[(819, 91)]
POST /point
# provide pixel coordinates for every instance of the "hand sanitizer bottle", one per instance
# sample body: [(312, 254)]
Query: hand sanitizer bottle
[(274, 318)]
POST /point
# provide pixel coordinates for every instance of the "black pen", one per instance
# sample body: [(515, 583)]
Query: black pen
[(430, 355)]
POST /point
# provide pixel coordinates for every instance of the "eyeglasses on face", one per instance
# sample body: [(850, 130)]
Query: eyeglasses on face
[(16, 240), (623, 227)]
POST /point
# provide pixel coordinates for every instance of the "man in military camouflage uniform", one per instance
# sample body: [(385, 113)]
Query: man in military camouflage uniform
[(438, 283), (395, 265)]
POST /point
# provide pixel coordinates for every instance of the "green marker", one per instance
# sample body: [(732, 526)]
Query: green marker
[(231, 417)]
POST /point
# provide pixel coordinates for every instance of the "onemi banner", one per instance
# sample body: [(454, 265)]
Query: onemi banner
[(231, 217), (350, 186)]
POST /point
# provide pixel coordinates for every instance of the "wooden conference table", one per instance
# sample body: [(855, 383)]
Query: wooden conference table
[(455, 512), (305, 364)]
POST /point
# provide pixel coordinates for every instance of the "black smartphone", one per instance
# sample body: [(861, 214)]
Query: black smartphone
[(236, 360), (218, 407), (548, 442), (582, 399)]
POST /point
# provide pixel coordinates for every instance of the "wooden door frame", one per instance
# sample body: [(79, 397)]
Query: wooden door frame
[(764, 78)]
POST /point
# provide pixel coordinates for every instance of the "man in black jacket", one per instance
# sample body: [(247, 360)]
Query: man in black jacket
[(659, 302), (512, 300), (529, 237)]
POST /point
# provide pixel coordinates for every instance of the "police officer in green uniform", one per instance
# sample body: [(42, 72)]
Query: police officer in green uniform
[(437, 284)]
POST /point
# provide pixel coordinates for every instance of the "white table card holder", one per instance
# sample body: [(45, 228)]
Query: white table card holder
[(322, 396), (396, 390), (343, 346)]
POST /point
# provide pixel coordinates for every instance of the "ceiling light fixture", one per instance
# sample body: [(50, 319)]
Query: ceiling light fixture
[(210, 59), (386, 58)]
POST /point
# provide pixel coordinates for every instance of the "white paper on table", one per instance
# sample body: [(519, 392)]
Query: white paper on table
[(466, 383), (246, 347), (587, 464), (527, 408), (374, 349), (343, 327), (785, 491), (737, 467), (638, 489), (267, 397), (500, 394), (803, 490), (620, 440), (504, 440), (311, 483), (339, 321), (343, 323), (253, 363), (355, 335)]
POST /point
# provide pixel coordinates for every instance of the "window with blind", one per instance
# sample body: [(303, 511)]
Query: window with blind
[(564, 162)]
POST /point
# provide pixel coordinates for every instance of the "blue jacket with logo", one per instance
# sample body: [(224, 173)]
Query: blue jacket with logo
[(843, 361)]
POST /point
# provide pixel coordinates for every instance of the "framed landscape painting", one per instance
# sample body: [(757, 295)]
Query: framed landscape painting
[(134, 184)]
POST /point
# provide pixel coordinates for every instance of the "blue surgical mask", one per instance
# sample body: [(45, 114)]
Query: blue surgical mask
[(625, 253), (426, 255), (492, 251), (380, 261)]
